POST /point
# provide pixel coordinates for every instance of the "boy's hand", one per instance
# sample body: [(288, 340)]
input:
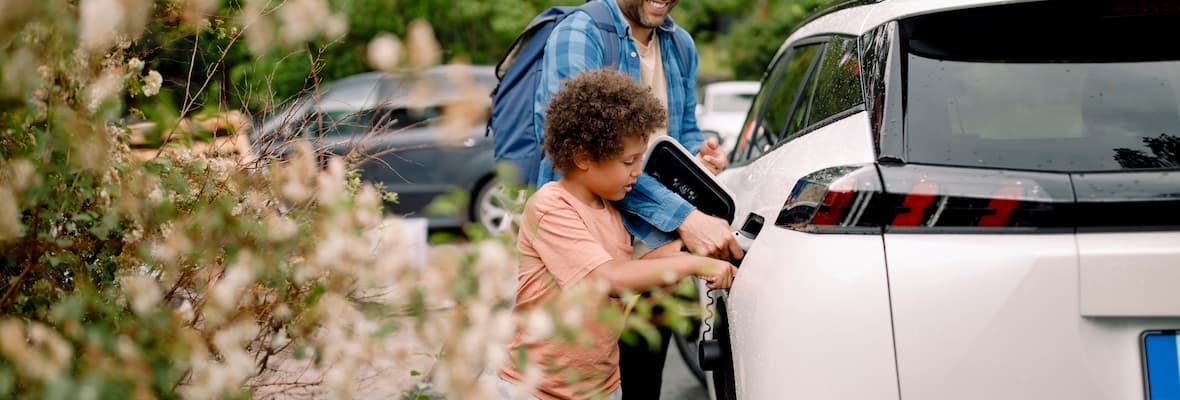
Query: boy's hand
[(716, 273)]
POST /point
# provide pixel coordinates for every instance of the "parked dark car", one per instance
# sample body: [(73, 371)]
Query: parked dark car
[(394, 124)]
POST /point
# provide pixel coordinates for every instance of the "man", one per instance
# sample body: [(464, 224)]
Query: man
[(653, 214)]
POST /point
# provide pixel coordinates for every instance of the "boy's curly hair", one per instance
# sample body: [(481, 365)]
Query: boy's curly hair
[(593, 112)]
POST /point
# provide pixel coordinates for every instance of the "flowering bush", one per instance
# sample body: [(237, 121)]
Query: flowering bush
[(188, 274), (198, 276)]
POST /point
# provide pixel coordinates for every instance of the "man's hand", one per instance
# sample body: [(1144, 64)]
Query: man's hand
[(711, 156), (709, 236)]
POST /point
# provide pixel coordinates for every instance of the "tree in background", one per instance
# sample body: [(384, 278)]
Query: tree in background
[(737, 39), (758, 34)]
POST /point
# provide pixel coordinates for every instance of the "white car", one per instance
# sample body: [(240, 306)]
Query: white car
[(962, 199), (723, 108)]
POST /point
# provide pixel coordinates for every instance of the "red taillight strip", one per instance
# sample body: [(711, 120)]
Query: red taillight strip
[(918, 198), (1005, 200), (916, 203)]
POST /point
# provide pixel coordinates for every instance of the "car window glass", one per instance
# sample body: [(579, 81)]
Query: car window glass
[(741, 149), (399, 118), (837, 83), (349, 97), (338, 123), (731, 102), (1017, 97), (782, 97), (802, 106)]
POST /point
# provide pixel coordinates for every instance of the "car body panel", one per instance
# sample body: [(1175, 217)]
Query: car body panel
[(1128, 275), (809, 318), (764, 184), (998, 316)]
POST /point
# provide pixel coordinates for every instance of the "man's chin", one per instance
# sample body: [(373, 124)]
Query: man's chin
[(652, 22)]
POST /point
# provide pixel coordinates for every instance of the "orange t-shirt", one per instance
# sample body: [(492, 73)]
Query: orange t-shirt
[(561, 241)]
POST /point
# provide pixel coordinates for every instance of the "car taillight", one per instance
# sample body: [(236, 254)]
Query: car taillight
[(915, 198)]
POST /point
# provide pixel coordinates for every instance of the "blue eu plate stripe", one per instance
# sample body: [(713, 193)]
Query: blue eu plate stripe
[(1163, 366)]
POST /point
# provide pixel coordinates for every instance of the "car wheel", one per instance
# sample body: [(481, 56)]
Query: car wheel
[(497, 209)]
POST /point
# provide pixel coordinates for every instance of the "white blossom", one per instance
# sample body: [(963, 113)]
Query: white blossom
[(107, 85), (226, 293), (331, 183), (22, 174), (143, 292), (538, 325), (303, 19), (135, 64), (385, 52), (424, 50), (99, 21), (10, 226), (151, 83)]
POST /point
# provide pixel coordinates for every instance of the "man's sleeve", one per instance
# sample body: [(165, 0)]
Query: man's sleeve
[(651, 201), (566, 247), (690, 134)]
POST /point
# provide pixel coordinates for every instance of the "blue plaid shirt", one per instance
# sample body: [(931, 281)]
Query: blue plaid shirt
[(650, 211)]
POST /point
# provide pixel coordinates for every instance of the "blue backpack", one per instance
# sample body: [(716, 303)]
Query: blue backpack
[(511, 124)]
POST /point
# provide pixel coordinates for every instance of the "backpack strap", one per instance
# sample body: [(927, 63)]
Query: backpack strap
[(605, 21), (681, 50)]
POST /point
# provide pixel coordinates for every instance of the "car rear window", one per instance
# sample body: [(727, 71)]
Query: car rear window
[(1055, 87)]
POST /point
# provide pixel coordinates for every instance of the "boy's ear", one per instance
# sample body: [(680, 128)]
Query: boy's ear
[(582, 163)]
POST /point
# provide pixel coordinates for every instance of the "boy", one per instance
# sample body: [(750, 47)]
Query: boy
[(596, 132)]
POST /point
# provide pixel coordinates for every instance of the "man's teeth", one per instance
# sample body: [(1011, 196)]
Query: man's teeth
[(657, 4)]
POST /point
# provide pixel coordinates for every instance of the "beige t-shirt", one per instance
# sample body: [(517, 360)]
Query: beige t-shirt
[(651, 73), (561, 240)]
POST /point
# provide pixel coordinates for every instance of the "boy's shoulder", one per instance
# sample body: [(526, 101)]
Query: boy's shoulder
[(552, 197), (549, 197)]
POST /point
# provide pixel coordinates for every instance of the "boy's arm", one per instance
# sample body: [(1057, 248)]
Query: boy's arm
[(644, 274)]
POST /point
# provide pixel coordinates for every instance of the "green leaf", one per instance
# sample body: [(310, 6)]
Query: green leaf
[(313, 297), (387, 329), (415, 373)]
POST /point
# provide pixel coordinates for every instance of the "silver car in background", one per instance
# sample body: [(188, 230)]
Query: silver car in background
[(723, 108)]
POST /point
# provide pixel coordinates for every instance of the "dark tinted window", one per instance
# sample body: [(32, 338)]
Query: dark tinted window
[(763, 129), (401, 118), (837, 83), (741, 149), (785, 94), (1065, 89)]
